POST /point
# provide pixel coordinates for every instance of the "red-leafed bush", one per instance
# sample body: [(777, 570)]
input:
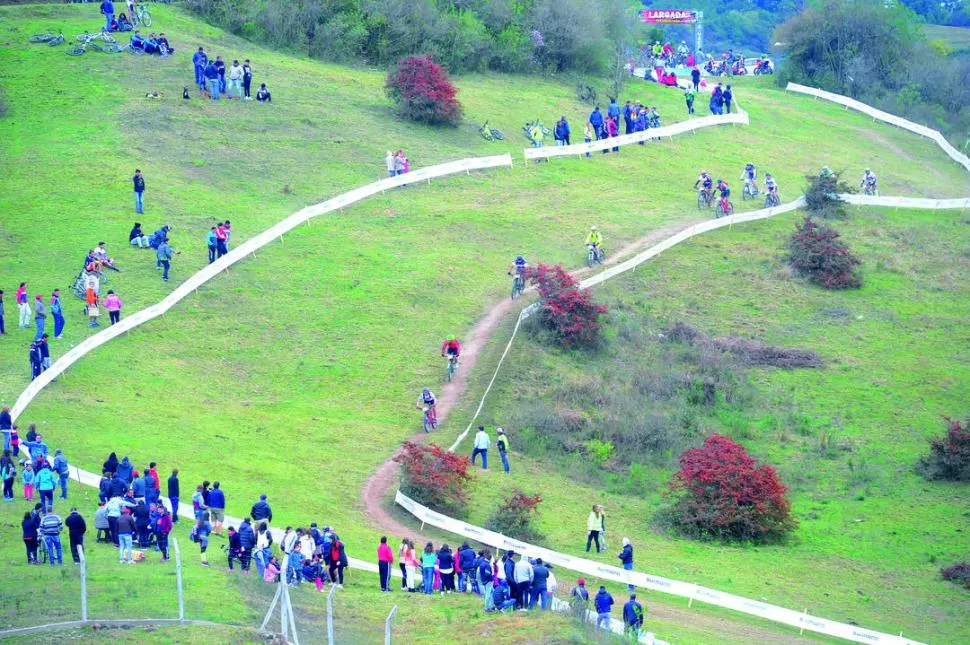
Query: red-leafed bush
[(958, 573), (423, 92), (817, 252), (514, 516), (434, 477), (725, 494), (565, 310), (949, 457)]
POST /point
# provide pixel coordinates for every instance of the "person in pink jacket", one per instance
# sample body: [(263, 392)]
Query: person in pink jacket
[(113, 304), (385, 560)]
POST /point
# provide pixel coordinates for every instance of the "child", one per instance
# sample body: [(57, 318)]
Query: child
[(28, 477), (271, 573), (91, 299), (15, 441), (588, 134)]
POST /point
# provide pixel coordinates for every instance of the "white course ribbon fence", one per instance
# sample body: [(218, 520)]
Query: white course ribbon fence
[(626, 139)]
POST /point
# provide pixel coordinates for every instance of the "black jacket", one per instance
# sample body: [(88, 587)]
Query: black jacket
[(247, 538), (140, 513), (467, 557), (75, 524), (139, 183), (118, 487), (173, 486), (29, 528), (261, 511), (540, 576)]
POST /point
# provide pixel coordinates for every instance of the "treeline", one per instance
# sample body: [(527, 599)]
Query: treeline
[(879, 55), (463, 35)]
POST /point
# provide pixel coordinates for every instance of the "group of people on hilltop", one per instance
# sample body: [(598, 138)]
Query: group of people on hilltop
[(151, 44), (214, 78)]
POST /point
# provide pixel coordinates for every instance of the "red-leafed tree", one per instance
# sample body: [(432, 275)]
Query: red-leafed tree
[(817, 252), (514, 516), (435, 477), (949, 457), (423, 92), (565, 310), (725, 494)]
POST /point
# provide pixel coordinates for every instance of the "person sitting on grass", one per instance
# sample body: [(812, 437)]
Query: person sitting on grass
[(151, 45), (137, 41), (114, 26), (123, 23), (263, 95), (164, 48)]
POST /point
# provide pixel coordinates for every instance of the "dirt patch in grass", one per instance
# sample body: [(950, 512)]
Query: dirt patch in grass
[(751, 353)]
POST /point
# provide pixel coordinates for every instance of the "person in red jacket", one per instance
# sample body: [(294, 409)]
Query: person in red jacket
[(451, 346), (222, 239), (385, 560)]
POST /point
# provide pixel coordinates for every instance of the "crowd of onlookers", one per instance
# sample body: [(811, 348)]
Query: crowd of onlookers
[(214, 78)]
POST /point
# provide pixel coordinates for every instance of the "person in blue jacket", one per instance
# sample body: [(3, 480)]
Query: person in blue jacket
[(562, 132), (628, 115), (212, 79), (108, 9), (124, 470), (596, 120), (148, 483), (486, 576), (626, 557), (466, 561), (501, 597), (603, 602), (633, 617), (613, 111), (199, 61)]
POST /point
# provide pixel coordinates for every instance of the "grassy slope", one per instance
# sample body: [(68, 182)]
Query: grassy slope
[(956, 37), (299, 366), (872, 533)]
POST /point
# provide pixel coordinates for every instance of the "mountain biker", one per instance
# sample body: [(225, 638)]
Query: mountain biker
[(705, 180), (427, 399), (771, 185), (683, 49), (451, 347), (725, 202), (654, 117), (594, 239), (868, 180), (825, 173), (722, 187), (750, 175)]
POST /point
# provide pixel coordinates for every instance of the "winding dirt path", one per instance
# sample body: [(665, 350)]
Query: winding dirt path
[(375, 489)]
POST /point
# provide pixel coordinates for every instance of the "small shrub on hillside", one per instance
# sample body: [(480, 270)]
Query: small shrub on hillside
[(822, 195), (958, 573), (585, 92), (949, 457), (564, 310), (435, 477), (817, 253), (423, 92), (724, 494), (513, 517)]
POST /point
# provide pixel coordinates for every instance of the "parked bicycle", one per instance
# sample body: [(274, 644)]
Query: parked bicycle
[(141, 16), (490, 134)]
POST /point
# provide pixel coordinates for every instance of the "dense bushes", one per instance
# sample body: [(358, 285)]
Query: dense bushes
[(949, 457), (423, 92), (817, 253), (724, 494), (958, 573), (513, 517), (822, 195), (434, 477), (565, 311)]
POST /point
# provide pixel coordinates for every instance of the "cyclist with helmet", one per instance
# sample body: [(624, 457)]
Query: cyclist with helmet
[(518, 268), (869, 181), (428, 399), (706, 184), (826, 172), (750, 174), (771, 187), (594, 239), (722, 187), (451, 347)]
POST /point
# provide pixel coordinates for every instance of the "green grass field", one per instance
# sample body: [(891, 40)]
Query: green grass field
[(295, 373)]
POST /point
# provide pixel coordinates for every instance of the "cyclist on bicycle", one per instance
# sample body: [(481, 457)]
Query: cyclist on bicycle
[(705, 181), (749, 174), (518, 267), (451, 347), (771, 186), (427, 400), (869, 181), (594, 239), (722, 187)]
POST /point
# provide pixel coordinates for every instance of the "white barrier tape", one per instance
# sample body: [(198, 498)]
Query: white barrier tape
[(654, 583), (636, 137), (892, 119)]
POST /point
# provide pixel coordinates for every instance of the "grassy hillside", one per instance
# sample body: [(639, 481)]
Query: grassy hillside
[(873, 534), (295, 374)]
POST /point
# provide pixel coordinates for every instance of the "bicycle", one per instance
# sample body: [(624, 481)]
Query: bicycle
[(872, 191), (518, 285), (452, 366), (428, 422), (705, 199), (141, 16), (527, 129), (490, 134), (594, 255), (42, 554), (772, 200), (750, 191), (719, 210)]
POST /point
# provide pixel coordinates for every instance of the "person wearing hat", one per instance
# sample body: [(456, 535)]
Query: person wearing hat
[(482, 442), (633, 617), (261, 512), (580, 594), (503, 449), (604, 605), (76, 528), (626, 557)]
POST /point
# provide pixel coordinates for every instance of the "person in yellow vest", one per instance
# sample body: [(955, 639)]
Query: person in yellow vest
[(503, 449)]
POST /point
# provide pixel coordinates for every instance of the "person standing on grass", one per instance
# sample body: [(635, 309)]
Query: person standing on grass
[(728, 97), (487, 577), (125, 526), (633, 617), (523, 575), (221, 69), (261, 511), (50, 530), (503, 449), (613, 130), (23, 305), (579, 597), (689, 94), (148, 488), (217, 508), (428, 561), (139, 181), (247, 79), (212, 244), (198, 503), (46, 482), (3, 330), (58, 313), (446, 567), (262, 550), (173, 494), (113, 304), (603, 603), (8, 472), (222, 239), (211, 74), (76, 528), (338, 562), (540, 581), (61, 468), (108, 11), (235, 80), (164, 254), (6, 426), (385, 560), (594, 526), (163, 526), (596, 120), (482, 443), (199, 62), (626, 557), (232, 549), (247, 540), (201, 535), (40, 315)]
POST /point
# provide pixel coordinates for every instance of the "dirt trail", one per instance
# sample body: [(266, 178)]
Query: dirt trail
[(375, 489)]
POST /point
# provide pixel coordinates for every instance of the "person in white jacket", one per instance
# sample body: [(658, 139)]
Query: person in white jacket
[(236, 73), (482, 442)]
